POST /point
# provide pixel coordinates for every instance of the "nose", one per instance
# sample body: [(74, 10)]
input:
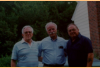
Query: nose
[(71, 31), (28, 32), (52, 31)]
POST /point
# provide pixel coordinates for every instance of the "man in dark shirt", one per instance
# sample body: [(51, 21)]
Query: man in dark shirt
[(79, 48)]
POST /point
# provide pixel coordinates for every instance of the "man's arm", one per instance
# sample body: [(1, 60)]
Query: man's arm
[(90, 59), (13, 63), (65, 50), (40, 59), (40, 51)]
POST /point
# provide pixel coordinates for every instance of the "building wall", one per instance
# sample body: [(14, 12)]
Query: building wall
[(94, 20), (98, 17), (80, 18), (87, 17)]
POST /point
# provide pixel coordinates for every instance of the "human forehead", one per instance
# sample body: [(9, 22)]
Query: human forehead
[(51, 26), (28, 29), (71, 27)]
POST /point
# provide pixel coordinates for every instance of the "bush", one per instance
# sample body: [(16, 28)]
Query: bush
[(5, 61)]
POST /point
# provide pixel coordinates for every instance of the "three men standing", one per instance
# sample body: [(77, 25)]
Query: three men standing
[(79, 49)]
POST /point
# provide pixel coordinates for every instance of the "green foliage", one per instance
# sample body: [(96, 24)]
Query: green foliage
[(5, 61), (8, 28), (37, 14), (16, 14)]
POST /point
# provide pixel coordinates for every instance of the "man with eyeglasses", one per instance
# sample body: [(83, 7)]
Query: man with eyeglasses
[(25, 52)]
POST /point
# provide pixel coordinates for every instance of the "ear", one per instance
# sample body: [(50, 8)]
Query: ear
[(32, 34), (22, 35), (78, 30)]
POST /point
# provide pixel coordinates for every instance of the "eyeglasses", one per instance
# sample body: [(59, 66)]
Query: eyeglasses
[(28, 32)]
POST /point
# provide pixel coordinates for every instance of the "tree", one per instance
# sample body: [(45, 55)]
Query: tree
[(16, 14)]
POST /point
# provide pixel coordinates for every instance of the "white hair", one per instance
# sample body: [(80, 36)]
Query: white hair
[(49, 24), (26, 27)]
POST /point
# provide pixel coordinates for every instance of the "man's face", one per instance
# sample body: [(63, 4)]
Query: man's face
[(27, 33), (51, 30), (73, 31)]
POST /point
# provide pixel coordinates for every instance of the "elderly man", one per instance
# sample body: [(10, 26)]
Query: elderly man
[(79, 48), (52, 48), (26, 50)]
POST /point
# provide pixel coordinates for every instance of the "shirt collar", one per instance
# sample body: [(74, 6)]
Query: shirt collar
[(52, 39), (23, 41), (79, 35)]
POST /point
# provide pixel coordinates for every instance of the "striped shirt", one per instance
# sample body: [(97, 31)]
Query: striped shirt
[(26, 55)]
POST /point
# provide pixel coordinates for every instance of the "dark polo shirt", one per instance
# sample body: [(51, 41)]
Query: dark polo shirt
[(78, 51)]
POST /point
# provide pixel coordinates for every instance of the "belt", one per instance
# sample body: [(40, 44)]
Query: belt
[(54, 65)]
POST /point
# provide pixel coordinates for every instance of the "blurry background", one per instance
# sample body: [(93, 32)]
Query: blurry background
[(16, 14)]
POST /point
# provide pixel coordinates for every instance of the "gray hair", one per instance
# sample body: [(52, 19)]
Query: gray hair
[(49, 24), (26, 27)]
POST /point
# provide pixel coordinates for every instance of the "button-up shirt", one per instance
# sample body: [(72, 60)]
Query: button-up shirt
[(53, 50), (78, 51), (26, 55)]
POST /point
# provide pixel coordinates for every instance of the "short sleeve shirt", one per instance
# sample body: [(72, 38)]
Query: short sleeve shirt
[(27, 56), (78, 50), (53, 51)]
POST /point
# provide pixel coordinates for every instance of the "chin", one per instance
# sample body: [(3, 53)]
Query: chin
[(53, 36), (28, 38)]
